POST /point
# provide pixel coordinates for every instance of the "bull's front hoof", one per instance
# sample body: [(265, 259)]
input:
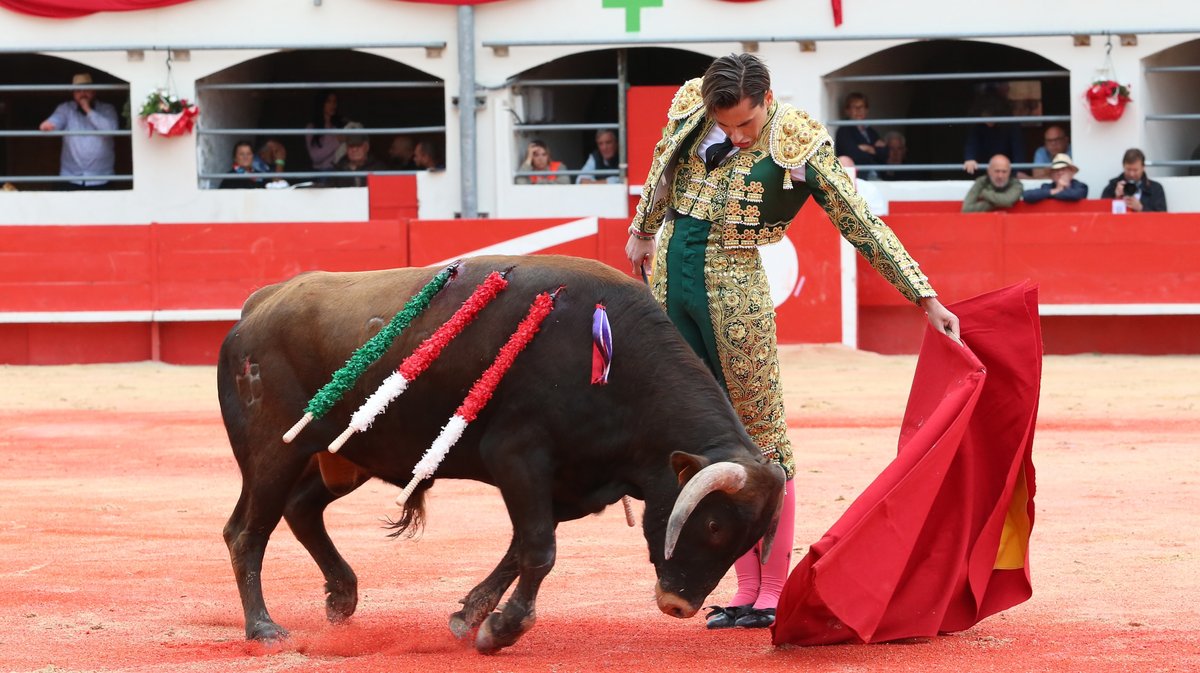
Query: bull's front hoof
[(496, 633), (267, 633), (459, 626), (485, 642)]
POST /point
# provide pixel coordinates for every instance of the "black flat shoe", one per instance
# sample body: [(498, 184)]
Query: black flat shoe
[(756, 619), (726, 618)]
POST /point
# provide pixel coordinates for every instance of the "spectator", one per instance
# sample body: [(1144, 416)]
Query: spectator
[(84, 155), (537, 158), (1054, 141), (243, 163), (870, 193), (400, 154), (897, 154), (427, 157), (324, 149), (987, 139), (1062, 186), (358, 158), (1140, 193), (605, 157), (994, 191), (860, 142), (272, 157)]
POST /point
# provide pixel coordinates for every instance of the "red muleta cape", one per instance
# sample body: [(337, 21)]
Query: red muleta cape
[(940, 539)]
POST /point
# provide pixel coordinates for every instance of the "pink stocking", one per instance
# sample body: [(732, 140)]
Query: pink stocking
[(775, 570), (747, 569)]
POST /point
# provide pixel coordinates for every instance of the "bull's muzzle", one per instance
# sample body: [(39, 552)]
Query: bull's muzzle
[(673, 604)]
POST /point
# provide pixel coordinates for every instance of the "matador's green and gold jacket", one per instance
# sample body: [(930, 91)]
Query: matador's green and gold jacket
[(751, 198)]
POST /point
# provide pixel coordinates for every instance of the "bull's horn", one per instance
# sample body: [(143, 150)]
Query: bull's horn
[(723, 476), (769, 538)]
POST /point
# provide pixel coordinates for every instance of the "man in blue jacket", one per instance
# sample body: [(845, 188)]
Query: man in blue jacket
[(1062, 186)]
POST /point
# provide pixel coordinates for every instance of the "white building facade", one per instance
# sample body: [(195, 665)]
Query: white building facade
[(559, 70)]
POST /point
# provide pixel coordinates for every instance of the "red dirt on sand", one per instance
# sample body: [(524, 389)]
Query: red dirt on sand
[(115, 482)]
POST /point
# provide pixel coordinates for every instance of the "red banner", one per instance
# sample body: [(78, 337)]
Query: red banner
[(70, 9)]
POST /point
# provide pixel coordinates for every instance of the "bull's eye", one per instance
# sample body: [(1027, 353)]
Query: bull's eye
[(713, 528)]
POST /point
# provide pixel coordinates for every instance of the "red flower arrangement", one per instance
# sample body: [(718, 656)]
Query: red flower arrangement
[(168, 115), (1107, 99)]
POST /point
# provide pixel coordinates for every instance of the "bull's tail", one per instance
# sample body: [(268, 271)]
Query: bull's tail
[(412, 517)]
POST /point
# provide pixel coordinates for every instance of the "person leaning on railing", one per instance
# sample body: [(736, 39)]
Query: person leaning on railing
[(84, 155), (997, 190), (537, 158), (605, 157), (1062, 186)]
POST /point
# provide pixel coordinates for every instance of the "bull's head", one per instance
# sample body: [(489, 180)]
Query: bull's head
[(723, 509)]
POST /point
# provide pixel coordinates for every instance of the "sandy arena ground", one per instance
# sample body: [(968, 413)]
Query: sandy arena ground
[(115, 482)]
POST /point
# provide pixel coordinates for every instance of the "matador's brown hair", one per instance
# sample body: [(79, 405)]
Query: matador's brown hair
[(731, 78)]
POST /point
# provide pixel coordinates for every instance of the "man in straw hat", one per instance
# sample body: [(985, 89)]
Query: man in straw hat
[(84, 155), (1062, 186)]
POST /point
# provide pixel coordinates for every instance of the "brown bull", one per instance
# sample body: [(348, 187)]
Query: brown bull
[(557, 447)]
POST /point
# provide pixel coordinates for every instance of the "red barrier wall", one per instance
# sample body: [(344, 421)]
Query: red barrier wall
[(813, 311), (65, 269), (1076, 258)]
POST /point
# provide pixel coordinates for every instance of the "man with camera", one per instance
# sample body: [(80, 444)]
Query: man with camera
[(1140, 193)]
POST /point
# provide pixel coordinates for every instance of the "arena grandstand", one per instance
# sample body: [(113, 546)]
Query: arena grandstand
[(155, 264)]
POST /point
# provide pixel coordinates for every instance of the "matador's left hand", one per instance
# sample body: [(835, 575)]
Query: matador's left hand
[(941, 318)]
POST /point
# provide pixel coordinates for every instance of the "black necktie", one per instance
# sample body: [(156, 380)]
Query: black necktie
[(714, 155)]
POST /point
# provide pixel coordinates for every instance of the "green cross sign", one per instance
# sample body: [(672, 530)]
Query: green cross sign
[(633, 11)]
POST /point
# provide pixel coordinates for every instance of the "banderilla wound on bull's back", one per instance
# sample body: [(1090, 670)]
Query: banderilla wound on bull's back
[(481, 392), (420, 359), (376, 346)]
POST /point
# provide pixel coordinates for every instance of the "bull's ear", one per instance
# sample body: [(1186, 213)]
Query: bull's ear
[(686, 465)]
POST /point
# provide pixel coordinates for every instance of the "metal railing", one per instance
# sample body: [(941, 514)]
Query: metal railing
[(525, 129), (326, 178), (390, 130), (234, 46), (17, 179), (949, 121), (601, 172), (841, 37), (300, 86), (63, 87), (300, 175), (946, 76), (919, 168), (1190, 116), (36, 133), (566, 127)]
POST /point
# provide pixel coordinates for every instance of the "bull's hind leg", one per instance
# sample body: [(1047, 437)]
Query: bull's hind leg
[(484, 598), (305, 514), (265, 491)]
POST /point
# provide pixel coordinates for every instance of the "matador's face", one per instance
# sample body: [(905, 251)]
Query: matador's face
[(744, 122)]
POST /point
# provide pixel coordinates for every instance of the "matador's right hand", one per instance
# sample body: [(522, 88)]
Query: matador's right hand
[(640, 252)]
